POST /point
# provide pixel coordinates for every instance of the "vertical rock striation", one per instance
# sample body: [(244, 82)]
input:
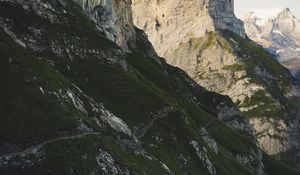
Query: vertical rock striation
[(222, 13), (113, 18)]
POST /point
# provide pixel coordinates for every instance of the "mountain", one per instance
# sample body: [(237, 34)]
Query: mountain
[(224, 61), (277, 30), (84, 92)]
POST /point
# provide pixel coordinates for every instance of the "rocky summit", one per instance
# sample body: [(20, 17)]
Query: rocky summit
[(83, 92)]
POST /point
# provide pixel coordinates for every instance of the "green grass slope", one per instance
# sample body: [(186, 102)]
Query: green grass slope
[(61, 96)]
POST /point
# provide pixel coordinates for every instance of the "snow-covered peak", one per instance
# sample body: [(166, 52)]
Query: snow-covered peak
[(276, 29), (263, 15)]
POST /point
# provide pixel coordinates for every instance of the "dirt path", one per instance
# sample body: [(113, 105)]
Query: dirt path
[(37, 147)]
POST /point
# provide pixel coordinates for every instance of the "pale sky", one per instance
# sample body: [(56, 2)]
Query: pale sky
[(243, 6)]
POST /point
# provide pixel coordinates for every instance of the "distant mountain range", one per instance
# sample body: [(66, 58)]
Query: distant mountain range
[(277, 30)]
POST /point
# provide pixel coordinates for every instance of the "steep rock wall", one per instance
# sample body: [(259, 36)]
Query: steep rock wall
[(113, 18), (169, 23)]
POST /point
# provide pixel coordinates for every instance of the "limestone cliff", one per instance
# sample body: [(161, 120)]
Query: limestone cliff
[(225, 62), (169, 23)]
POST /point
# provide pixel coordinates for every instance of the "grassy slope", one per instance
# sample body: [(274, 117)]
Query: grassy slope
[(255, 56), (252, 57), (23, 117), (131, 95)]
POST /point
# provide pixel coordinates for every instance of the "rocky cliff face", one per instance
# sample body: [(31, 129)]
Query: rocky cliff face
[(226, 63), (113, 18), (222, 13), (171, 23), (277, 30), (73, 102)]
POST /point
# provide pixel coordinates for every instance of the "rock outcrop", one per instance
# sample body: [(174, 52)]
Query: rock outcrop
[(169, 23)]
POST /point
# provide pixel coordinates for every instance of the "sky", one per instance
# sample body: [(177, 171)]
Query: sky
[(243, 6)]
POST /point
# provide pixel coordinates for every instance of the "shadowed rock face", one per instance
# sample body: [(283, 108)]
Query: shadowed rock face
[(170, 23), (113, 18), (222, 12)]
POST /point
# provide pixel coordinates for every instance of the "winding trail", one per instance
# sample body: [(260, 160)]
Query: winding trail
[(35, 148), (160, 114)]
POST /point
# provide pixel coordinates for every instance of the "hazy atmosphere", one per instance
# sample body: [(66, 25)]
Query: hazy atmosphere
[(243, 6)]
